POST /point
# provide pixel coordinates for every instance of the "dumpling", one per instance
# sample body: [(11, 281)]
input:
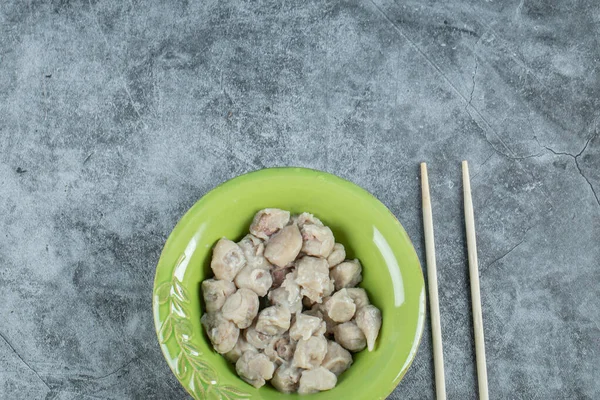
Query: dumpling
[(284, 304), (280, 349), (256, 338), (223, 334), (254, 249), (255, 368), (240, 347), (307, 219), (337, 359), (268, 221), (287, 295), (316, 380), (281, 296), (338, 254), (319, 310), (359, 296), (312, 275), (305, 326), (317, 240), (350, 336), (257, 279), (346, 274), (310, 353), (241, 308), (286, 378), (283, 247), (340, 307), (215, 293), (273, 320), (227, 260), (368, 319)]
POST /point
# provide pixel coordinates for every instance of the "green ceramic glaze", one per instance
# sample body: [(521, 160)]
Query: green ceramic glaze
[(391, 275)]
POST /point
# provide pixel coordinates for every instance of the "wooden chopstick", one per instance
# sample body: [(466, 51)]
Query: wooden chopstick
[(436, 330), (475, 291)]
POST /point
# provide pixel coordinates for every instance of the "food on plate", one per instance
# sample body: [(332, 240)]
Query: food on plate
[(340, 307), (368, 319), (255, 368), (350, 336), (215, 293), (337, 255), (241, 308), (316, 380), (284, 305), (284, 246), (286, 378), (346, 274), (223, 334), (228, 259), (337, 359)]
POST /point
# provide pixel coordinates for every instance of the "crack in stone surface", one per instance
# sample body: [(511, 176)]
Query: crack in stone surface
[(473, 86), (23, 361), (575, 157), (116, 370), (512, 248)]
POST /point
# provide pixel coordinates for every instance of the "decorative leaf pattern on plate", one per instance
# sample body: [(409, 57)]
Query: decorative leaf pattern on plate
[(189, 366), (229, 392)]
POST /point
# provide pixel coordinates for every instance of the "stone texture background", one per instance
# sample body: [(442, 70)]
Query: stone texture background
[(116, 116)]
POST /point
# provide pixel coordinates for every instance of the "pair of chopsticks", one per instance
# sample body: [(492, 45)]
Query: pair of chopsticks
[(438, 357)]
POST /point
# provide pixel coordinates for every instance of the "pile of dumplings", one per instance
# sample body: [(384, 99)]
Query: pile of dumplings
[(283, 305)]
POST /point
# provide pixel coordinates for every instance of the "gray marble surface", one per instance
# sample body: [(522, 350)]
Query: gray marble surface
[(116, 116)]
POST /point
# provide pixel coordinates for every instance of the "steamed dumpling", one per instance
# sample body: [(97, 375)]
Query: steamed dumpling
[(337, 359), (254, 249), (350, 336), (316, 380), (283, 304), (223, 334), (340, 307), (255, 368), (312, 275), (257, 339), (215, 292), (240, 347), (268, 221), (320, 311), (317, 240), (227, 260), (286, 378), (305, 326), (338, 254), (257, 279), (288, 295), (283, 247), (306, 219), (274, 320), (368, 319), (359, 296), (310, 353), (241, 308), (280, 349), (346, 274)]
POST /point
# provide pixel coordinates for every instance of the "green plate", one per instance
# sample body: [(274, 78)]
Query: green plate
[(391, 275)]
